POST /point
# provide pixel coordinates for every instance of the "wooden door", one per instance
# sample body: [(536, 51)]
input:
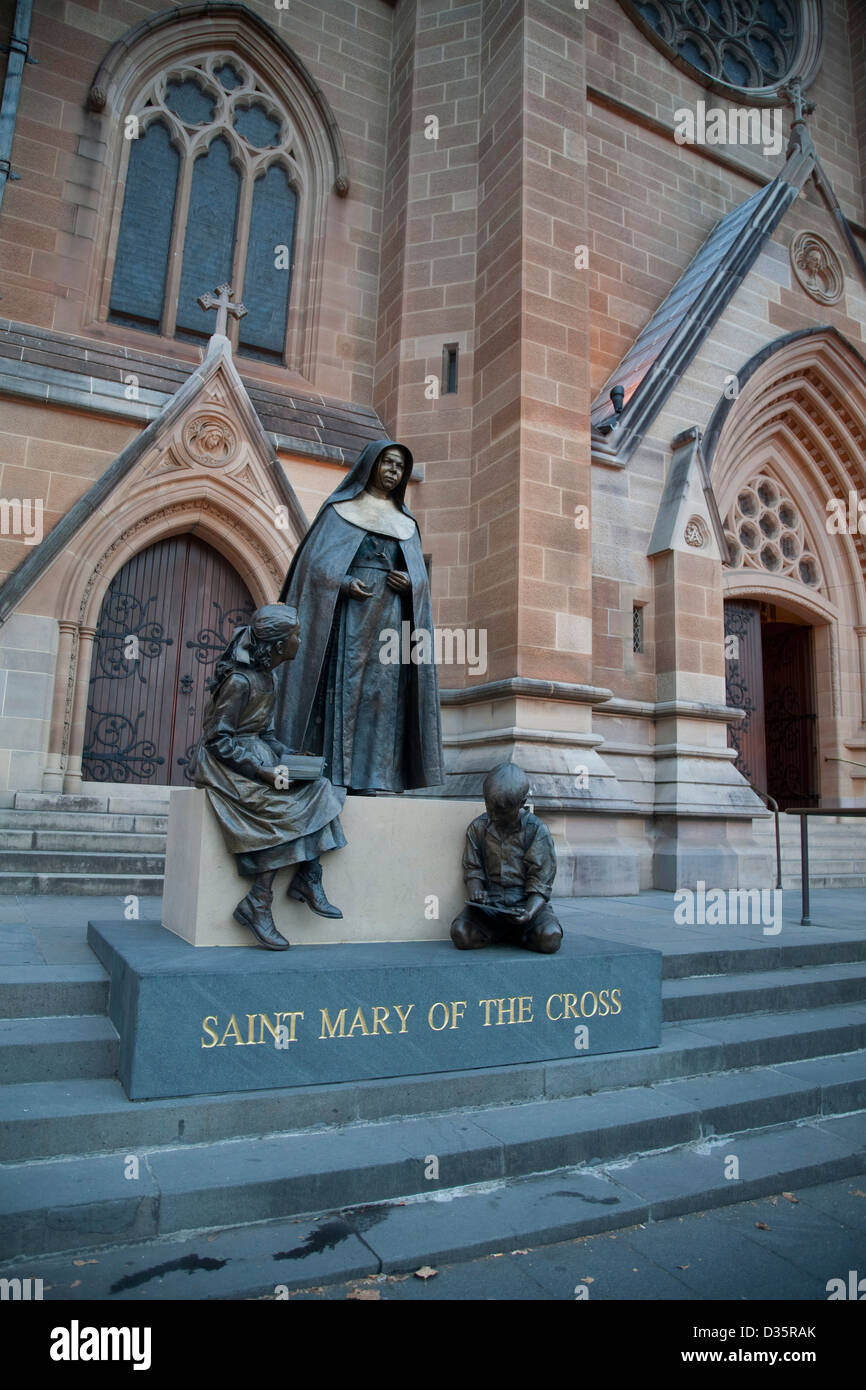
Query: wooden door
[(166, 617), (789, 715), (744, 688)]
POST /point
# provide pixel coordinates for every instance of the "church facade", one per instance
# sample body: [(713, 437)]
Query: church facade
[(601, 266)]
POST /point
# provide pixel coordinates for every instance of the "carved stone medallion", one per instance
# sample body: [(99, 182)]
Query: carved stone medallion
[(209, 439), (817, 267), (695, 533)]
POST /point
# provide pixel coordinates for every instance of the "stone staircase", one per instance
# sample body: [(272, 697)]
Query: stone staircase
[(837, 850), (228, 1196), (112, 842)]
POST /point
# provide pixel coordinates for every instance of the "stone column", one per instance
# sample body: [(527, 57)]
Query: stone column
[(64, 678), (703, 806), (73, 779)]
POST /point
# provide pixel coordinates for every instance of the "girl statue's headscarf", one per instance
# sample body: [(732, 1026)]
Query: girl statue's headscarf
[(274, 622)]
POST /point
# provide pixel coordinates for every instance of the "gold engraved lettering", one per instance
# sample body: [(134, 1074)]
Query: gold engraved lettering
[(588, 1013), (211, 1032), (553, 1017), (232, 1028), (398, 1009), (379, 1022), (339, 1023), (571, 1009), (359, 1022), (524, 1003), (251, 1023), (486, 1005), (273, 1028), (437, 1028), (295, 1013), (616, 1001), (603, 1003), (455, 1016)]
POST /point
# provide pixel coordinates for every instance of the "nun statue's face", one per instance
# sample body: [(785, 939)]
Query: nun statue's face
[(389, 469)]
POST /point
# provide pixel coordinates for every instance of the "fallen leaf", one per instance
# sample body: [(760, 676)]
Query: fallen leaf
[(790, 1197), (683, 1266), (367, 1295), (75, 1283), (634, 1270), (395, 1278), (79, 1263), (857, 1193), (774, 1201), (762, 1226), (520, 1252), (425, 1272), (587, 1279)]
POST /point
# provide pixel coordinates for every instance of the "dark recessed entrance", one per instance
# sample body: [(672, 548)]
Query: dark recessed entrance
[(166, 617), (770, 674)]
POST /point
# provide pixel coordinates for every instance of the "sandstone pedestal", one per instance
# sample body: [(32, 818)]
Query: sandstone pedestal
[(399, 878)]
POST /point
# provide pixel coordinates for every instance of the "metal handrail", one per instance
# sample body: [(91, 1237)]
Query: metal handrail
[(773, 805)]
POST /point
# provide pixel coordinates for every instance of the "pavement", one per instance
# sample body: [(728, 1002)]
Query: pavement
[(51, 930), (778, 1248)]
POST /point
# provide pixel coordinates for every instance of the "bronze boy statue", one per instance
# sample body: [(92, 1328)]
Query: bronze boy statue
[(509, 865), (267, 821)]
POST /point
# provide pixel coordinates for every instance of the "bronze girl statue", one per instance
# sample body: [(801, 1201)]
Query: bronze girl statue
[(267, 821)]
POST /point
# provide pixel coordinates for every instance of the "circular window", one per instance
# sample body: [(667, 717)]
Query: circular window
[(765, 531), (736, 46)]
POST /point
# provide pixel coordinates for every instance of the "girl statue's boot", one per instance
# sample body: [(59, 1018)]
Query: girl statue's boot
[(306, 887), (254, 911)]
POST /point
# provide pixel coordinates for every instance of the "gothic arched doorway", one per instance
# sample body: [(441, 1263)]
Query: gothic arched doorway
[(164, 620), (769, 667)]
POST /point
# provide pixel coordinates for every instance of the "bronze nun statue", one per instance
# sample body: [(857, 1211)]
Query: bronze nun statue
[(266, 820), (363, 690)]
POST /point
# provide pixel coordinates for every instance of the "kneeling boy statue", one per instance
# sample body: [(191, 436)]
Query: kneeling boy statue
[(509, 865)]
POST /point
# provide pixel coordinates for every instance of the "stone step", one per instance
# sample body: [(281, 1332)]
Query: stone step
[(59, 1117), (65, 1204), (822, 880), (41, 991), (35, 861), (84, 821), (804, 987), (81, 842), (82, 884), (782, 952), (458, 1223), (57, 1049), (129, 803)]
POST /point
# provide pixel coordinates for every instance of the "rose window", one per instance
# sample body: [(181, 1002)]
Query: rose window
[(750, 45), (765, 531)]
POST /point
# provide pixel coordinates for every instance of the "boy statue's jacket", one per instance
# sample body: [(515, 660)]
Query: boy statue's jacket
[(509, 867)]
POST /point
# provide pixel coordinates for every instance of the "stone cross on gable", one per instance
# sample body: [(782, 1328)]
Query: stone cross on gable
[(221, 301)]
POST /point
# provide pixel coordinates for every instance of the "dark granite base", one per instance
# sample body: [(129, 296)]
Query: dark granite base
[(195, 1022)]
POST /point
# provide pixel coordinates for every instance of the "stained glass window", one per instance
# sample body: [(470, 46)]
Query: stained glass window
[(743, 43), (211, 196)]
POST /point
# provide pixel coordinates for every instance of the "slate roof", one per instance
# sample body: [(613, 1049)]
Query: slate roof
[(663, 349), (316, 424)]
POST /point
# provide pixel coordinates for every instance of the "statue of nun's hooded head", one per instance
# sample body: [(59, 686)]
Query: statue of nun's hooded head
[(363, 471), (355, 483), (313, 586)]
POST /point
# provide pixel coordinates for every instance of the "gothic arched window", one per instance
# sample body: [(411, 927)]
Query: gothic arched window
[(213, 186)]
